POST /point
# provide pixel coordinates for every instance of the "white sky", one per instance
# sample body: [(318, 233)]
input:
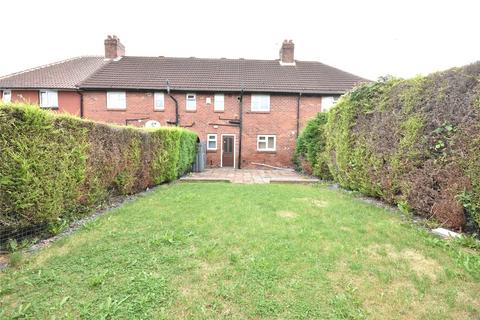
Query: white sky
[(367, 38)]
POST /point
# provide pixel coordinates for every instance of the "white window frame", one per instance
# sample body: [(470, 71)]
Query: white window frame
[(191, 103), (264, 138), (111, 103), (328, 102), (219, 102), (158, 97), (51, 99), (209, 139), (256, 103), (9, 95)]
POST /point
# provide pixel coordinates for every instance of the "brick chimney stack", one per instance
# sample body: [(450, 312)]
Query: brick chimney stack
[(113, 48), (286, 53)]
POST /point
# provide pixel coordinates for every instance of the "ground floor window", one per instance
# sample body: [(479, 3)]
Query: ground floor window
[(212, 141), (266, 142)]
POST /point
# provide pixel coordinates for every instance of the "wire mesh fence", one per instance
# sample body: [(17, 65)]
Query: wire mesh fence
[(12, 239)]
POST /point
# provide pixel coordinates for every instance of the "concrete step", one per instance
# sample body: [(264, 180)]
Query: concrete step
[(203, 179), (294, 180)]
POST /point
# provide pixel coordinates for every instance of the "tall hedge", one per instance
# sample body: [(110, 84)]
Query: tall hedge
[(309, 155), (59, 167), (413, 142)]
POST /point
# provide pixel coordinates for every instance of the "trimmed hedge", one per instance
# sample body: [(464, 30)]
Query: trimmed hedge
[(59, 167), (415, 143)]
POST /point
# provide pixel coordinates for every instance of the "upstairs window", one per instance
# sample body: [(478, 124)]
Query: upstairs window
[(260, 103), (116, 100), (7, 96), (219, 103), (191, 102), (266, 143), (48, 99), (159, 101), (212, 141), (328, 103)]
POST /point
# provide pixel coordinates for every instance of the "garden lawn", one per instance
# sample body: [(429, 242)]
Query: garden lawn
[(206, 251)]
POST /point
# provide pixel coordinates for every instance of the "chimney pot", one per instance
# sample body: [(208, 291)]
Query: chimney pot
[(287, 52), (113, 47)]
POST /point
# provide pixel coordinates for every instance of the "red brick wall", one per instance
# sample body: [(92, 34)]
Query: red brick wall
[(68, 101), (280, 121)]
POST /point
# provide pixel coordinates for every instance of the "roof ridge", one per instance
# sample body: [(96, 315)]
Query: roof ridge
[(46, 66), (204, 58)]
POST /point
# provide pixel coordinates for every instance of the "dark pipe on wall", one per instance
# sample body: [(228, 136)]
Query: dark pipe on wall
[(177, 114), (298, 113), (81, 103), (240, 130)]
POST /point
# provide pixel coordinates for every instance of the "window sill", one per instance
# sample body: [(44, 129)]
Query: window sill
[(49, 108), (190, 111), (116, 109), (258, 112), (266, 151), (212, 151), (219, 111), (158, 110)]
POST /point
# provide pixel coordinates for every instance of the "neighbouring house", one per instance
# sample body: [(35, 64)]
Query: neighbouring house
[(249, 112)]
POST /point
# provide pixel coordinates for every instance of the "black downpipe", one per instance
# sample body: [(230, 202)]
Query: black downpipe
[(81, 103), (177, 114), (240, 131), (298, 113)]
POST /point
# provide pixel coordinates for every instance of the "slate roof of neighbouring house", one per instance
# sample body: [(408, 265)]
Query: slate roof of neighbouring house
[(198, 74), (186, 74), (64, 74)]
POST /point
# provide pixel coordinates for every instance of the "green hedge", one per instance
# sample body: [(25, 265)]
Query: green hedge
[(309, 155), (414, 143), (59, 167)]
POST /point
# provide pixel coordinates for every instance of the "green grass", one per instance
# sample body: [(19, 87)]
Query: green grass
[(206, 251)]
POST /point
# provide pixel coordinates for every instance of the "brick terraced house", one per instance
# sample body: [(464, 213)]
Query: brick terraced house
[(249, 112)]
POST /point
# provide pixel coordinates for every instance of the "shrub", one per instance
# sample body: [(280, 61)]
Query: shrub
[(55, 168), (309, 151), (412, 142)]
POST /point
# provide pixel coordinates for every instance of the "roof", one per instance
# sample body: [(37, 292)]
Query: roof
[(197, 74), (64, 74)]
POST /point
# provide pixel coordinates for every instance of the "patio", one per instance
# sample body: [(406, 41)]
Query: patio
[(249, 176)]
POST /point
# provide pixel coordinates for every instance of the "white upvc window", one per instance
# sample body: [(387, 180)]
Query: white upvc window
[(328, 102), (116, 100), (260, 103), (48, 99), (212, 141), (7, 96), (191, 101), (266, 142), (159, 101), (219, 103)]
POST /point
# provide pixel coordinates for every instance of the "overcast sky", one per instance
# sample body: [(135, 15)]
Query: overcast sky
[(368, 38)]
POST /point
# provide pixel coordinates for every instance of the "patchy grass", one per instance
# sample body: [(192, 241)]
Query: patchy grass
[(207, 251)]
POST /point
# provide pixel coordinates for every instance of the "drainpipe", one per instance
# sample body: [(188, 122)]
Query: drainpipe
[(177, 115), (298, 113), (81, 103), (240, 131)]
